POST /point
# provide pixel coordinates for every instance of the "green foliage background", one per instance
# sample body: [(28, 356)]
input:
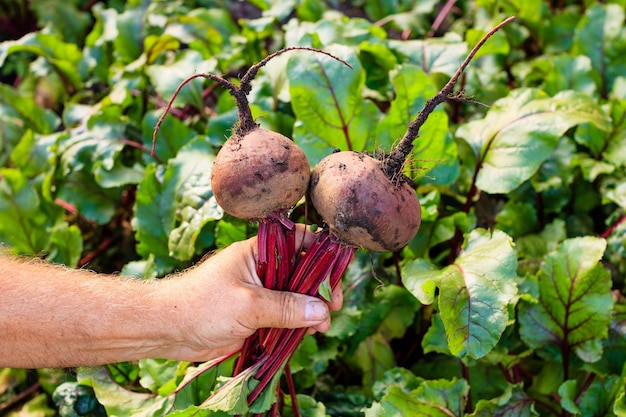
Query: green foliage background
[(509, 301)]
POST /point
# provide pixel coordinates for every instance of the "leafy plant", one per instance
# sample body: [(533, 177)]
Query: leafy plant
[(510, 299)]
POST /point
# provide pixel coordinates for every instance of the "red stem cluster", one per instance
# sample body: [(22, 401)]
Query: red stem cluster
[(282, 266)]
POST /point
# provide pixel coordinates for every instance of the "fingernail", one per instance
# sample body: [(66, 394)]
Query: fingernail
[(315, 311)]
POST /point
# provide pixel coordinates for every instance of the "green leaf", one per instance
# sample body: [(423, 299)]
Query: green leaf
[(66, 244), (574, 309), (399, 377), (436, 398), (309, 359), (174, 205), (34, 153), (330, 113), (619, 407), (231, 229), (519, 132), (614, 347), (434, 55), (96, 149), (140, 269), (374, 357), (187, 189), (601, 36), (161, 375), (156, 45), (62, 57), (232, 396), (609, 145), (153, 220), (616, 194), (412, 88), (37, 406), (569, 73), (23, 224), (601, 395), (65, 18), (73, 400), (497, 43), (377, 61), (334, 28), (514, 402), (128, 41), (92, 201), (517, 218), (419, 277), (568, 391), (172, 135), (402, 313), (22, 106), (208, 30), (435, 339), (120, 401), (196, 411), (308, 406), (167, 77), (474, 292)]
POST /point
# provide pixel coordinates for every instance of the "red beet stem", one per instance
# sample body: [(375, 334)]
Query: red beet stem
[(269, 350), (325, 259)]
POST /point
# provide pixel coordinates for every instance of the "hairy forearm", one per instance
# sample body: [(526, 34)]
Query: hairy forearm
[(118, 318), (52, 316)]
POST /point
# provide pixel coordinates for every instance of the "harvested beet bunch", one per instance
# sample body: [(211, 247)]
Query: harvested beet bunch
[(365, 202), (259, 175)]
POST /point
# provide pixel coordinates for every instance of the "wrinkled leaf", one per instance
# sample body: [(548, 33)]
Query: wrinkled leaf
[(574, 308), (474, 292), (435, 398), (120, 401), (187, 184), (153, 220), (434, 55), (22, 222), (514, 402), (521, 130), (601, 36), (326, 98)]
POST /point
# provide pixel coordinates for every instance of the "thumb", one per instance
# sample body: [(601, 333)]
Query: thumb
[(282, 309)]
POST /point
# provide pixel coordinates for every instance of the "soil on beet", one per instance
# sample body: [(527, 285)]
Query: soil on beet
[(258, 174), (361, 206)]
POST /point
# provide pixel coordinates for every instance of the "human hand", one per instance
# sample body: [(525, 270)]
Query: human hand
[(221, 302)]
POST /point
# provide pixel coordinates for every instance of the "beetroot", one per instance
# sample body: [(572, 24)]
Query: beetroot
[(363, 207), (259, 173)]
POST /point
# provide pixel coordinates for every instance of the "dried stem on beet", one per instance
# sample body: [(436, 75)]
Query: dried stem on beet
[(246, 121), (393, 163)]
